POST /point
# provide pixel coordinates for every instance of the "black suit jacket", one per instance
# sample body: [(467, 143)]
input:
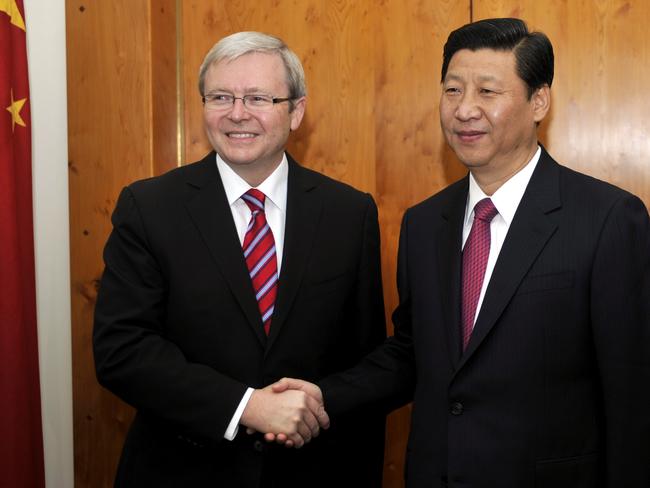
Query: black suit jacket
[(553, 389), (178, 334)]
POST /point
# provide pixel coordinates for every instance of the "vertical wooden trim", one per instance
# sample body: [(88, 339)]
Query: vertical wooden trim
[(180, 100)]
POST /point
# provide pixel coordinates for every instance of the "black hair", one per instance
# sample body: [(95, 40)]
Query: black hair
[(533, 50)]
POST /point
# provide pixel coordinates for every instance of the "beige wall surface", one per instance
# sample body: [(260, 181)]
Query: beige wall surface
[(46, 44)]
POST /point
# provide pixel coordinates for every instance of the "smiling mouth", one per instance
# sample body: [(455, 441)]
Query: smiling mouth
[(241, 135)]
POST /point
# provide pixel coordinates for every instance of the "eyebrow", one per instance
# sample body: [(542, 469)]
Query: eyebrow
[(247, 91), (483, 78), (488, 78)]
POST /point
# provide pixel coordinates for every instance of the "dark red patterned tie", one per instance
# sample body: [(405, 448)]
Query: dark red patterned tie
[(259, 252), (475, 258)]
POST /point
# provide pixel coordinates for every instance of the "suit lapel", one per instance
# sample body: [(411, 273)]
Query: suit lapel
[(529, 232), (303, 215), (208, 207), (449, 266)]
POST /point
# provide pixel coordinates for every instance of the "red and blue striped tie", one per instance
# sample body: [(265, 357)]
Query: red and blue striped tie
[(259, 252)]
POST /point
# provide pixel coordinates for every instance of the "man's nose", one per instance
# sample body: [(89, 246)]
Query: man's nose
[(468, 107), (238, 110)]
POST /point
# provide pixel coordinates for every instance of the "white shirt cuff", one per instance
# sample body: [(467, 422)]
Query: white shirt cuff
[(233, 426)]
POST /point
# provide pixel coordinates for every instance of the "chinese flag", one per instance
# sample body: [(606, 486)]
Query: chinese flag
[(21, 437)]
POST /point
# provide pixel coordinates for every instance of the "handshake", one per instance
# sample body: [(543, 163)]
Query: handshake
[(289, 412)]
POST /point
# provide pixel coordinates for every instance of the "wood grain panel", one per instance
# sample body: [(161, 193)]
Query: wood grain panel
[(165, 102), (109, 134), (598, 122)]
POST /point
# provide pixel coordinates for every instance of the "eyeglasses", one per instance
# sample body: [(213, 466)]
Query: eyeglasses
[(225, 101)]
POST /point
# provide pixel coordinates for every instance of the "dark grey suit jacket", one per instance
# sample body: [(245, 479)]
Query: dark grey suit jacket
[(553, 390), (178, 334)]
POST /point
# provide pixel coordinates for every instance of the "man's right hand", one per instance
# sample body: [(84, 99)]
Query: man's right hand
[(290, 412), (286, 384)]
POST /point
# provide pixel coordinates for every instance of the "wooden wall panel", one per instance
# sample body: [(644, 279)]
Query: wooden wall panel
[(165, 96), (117, 120), (599, 118)]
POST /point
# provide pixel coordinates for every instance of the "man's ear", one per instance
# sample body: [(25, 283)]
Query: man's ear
[(541, 101), (297, 113)]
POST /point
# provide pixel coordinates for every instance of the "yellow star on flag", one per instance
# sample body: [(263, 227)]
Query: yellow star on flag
[(11, 9), (14, 109)]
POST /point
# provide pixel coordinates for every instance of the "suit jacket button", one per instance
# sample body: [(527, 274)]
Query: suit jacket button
[(456, 408), (258, 446)]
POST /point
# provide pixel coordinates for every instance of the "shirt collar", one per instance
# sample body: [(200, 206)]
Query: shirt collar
[(506, 199), (274, 186)]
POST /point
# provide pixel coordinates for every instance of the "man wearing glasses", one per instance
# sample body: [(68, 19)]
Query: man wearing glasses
[(228, 274)]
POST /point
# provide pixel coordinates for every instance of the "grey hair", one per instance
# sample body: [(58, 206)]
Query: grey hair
[(240, 43)]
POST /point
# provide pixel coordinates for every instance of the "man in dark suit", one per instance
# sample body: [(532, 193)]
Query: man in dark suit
[(225, 275), (524, 313)]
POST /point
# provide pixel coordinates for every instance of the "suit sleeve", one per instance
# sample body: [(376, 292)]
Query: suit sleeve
[(386, 376), (620, 298), (370, 322), (133, 358)]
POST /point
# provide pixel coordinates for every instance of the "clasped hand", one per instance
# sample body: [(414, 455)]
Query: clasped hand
[(289, 412)]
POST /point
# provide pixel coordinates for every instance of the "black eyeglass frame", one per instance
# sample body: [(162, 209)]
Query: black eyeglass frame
[(274, 100)]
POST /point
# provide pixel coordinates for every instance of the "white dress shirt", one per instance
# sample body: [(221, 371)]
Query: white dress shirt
[(506, 200), (275, 208), (275, 205)]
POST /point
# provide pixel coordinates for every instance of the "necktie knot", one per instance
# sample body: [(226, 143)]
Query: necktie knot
[(485, 210), (255, 200)]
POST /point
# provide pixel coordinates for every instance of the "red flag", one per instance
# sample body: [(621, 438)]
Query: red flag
[(21, 437)]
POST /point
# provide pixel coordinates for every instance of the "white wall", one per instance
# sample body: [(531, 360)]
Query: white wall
[(46, 49)]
